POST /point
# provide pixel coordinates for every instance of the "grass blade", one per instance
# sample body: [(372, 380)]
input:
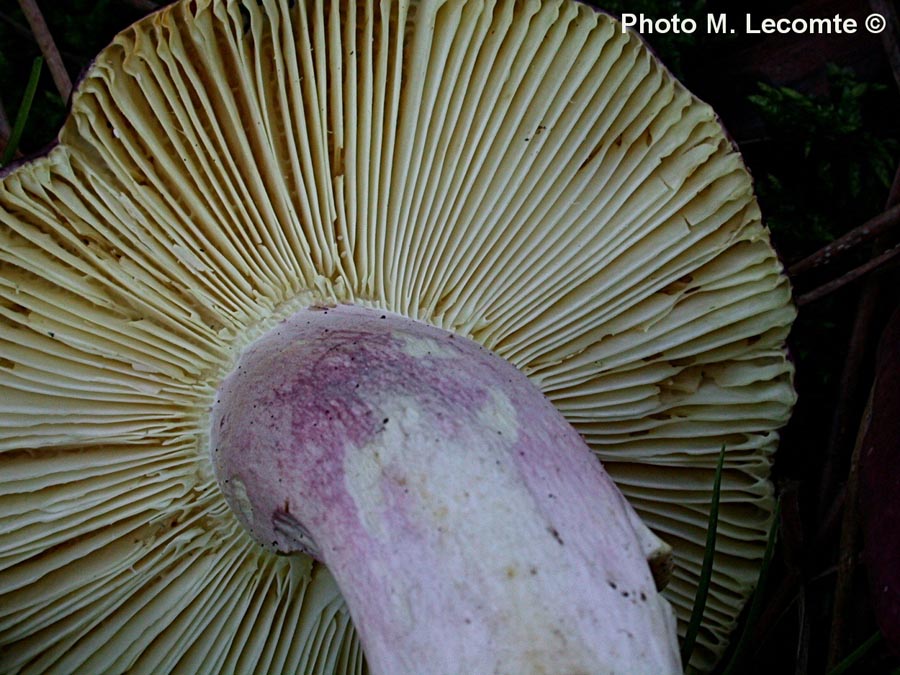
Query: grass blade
[(24, 110), (690, 636), (856, 655), (756, 605)]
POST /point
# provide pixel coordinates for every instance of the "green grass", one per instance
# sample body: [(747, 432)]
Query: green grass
[(22, 116)]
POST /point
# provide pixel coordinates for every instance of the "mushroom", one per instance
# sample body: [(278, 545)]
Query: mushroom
[(536, 207)]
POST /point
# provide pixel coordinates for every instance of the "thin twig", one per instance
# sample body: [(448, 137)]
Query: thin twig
[(25, 32), (865, 232), (842, 424), (852, 275), (48, 47), (21, 29), (860, 340), (792, 588)]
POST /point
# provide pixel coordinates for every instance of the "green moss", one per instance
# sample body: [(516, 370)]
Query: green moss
[(829, 159)]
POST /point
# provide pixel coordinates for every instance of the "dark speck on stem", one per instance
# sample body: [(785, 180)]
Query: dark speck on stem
[(555, 533)]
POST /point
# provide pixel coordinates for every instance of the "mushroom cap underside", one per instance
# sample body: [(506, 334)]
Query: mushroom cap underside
[(524, 174)]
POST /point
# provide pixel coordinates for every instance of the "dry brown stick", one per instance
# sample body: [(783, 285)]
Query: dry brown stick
[(831, 503), (856, 349), (865, 232), (849, 538), (852, 275), (48, 47)]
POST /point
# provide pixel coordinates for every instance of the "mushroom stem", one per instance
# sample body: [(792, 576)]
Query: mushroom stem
[(469, 527)]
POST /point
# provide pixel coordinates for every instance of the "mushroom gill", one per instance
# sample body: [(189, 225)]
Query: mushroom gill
[(524, 174)]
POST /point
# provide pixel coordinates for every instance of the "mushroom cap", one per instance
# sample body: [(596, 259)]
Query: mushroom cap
[(526, 174)]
